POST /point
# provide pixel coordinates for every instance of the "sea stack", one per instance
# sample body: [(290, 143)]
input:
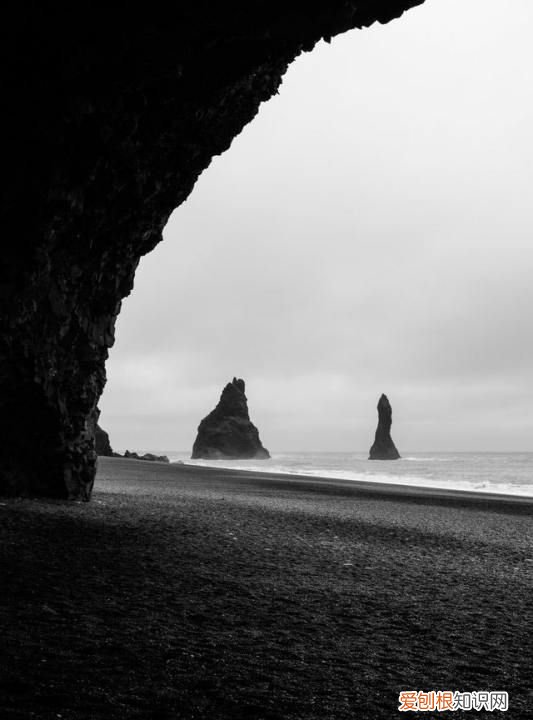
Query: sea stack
[(383, 447), (227, 432)]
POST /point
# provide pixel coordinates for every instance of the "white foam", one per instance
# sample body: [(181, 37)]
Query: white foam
[(408, 479)]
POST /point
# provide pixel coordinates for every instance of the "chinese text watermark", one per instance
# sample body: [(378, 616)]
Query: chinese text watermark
[(442, 700)]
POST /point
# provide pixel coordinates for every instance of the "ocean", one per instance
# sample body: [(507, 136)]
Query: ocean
[(488, 472)]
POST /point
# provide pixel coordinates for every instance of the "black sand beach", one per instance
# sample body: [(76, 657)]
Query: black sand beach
[(187, 593)]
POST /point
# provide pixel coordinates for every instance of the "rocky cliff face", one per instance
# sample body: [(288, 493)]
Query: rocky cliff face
[(147, 457), (110, 115), (102, 445), (383, 447), (228, 432)]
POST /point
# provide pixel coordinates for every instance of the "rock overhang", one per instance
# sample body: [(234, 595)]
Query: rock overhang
[(111, 115)]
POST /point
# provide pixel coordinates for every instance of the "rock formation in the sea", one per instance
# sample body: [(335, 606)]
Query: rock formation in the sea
[(227, 432), (383, 447), (112, 113), (147, 456), (101, 442)]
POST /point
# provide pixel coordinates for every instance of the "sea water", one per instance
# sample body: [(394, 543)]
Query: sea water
[(487, 472)]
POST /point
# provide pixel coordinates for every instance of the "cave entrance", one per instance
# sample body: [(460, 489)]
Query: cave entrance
[(351, 239)]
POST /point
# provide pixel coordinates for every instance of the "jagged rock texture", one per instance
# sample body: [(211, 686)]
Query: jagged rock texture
[(110, 115), (102, 444), (147, 456), (383, 447), (227, 432)]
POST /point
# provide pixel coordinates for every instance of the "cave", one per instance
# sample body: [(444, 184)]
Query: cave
[(111, 114)]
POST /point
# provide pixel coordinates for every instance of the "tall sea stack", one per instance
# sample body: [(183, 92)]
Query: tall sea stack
[(383, 447), (227, 432)]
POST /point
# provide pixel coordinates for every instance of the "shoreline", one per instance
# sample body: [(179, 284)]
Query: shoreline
[(498, 474), (193, 593), (373, 488)]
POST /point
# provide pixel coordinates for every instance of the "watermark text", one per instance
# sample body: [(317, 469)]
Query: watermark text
[(446, 700)]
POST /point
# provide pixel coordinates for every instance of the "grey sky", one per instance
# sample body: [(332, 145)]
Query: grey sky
[(370, 231)]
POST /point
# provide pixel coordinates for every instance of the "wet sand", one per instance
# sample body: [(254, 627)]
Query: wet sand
[(184, 592)]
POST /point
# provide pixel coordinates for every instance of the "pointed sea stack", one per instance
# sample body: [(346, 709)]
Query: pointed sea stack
[(227, 432), (383, 447)]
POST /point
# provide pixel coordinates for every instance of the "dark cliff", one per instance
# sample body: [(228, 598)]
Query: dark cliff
[(227, 432), (383, 447), (101, 442), (110, 115), (147, 457)]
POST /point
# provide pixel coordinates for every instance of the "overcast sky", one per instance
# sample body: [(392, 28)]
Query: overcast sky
[(371, 231)]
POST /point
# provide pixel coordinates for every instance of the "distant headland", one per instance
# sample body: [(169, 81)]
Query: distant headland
[(103, 448)]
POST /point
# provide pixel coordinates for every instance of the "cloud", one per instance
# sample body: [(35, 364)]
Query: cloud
[(370, 232)]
